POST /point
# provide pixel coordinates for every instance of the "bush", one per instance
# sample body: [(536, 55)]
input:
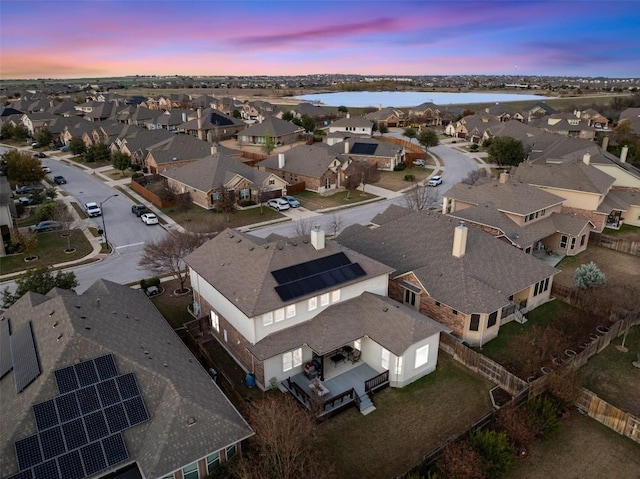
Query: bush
[(519, 423), (497, 452), (474, 147), (246, 203), (399, 167), (135, 167), (409, 177), (546, 414), (137, 174), (460, 461), (147, 283), (45, 211)]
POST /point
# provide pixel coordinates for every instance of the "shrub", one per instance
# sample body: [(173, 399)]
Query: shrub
[(137, 174), (474, 147), (148, 282), (246, 203), (565, 386), (399, 167), (497, 452), (409, 177), (519, 423), (45, 211), (135, 167), (460, 461), (546, 414)]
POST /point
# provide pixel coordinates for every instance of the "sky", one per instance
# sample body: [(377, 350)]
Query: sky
[(106, 38)]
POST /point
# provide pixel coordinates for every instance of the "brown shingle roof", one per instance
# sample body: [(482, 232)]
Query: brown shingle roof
[(574, 175)]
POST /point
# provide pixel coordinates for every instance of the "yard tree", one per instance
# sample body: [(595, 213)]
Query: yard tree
[(460, 461), (410, 133), (474, 176), (77, 146), (361, 173), (506, 150), (496, 450), (8, 130), (374, 128), (269, 143), (308, 123), (383, 128), (587, 275), (336, 223), (428, 138), (20, 132), (22, 167), (63, 213), (97, 153), (167, 254), (288, 116), (343, 109), (39, 280), (226, 202), (44, 137), (121, 161), (302, 227), (420, 197)]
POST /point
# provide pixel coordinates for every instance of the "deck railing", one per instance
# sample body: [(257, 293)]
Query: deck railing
[(376, 382), (298, 392)]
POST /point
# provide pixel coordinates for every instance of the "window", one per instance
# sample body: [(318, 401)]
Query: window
[(272, 182), (385, 359), (169, 476), (215, 322), (409, 297), (455, 312), (291, 359), (190, 471), (335, 296), (279, 315), (245, 194), (313, 303), (422, 356), (291, 311), (563, 241), (438, 303), (215, 197), (213, 461), (541, 286), (543, 212), (493, 319), (399, 366), (573, 242), (475, 322), (231, 451), (582, 240), (267, 318), (357, 344), (324, 299), (225, 335)]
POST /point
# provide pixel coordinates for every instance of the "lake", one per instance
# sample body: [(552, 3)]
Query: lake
[(407, 99)]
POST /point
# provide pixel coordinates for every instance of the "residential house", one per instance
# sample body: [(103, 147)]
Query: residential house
[(175, 151), (135, 141), (8, 215), (428, 114), (280, 131), (35, 122), (565, 124), (213, 126), (318, 166), (462, 277), (144, 117), (391, 117), (384, 155), (358, 125), (101, 111), (98, 382), (204, 178), (316, 112), (474, 128), (527, 217), (285, 307), (64, 128), (537, 111), (632, 117), (593, 118)]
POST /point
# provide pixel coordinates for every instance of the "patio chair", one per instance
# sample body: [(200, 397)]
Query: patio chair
[(355, 356)]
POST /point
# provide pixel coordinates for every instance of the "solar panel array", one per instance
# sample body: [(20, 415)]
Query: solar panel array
[(363, 148), (80, 430), (311, 276), (24, 357), (5, 347)]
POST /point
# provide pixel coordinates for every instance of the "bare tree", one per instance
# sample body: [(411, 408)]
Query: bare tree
[(62, 213), (361, 173), (336, 223), (302, 227), (474, 176), (420, 197), (167, 254), (226, 202)]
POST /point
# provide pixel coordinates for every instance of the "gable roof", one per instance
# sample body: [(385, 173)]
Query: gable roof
[(240, 267), (391, 324), (353, 122), (111, 318), (179, 147), (309, 160), (273, 126), (481, 281), (570, 175)]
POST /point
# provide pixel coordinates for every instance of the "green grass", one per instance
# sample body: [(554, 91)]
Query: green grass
[(394, 180), (313, 201), (407, 422), (214, 221), (50, 251)]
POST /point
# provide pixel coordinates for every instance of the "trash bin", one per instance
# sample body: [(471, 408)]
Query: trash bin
[(250, 380)]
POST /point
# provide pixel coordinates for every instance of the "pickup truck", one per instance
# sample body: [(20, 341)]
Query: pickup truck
[(92, 209)]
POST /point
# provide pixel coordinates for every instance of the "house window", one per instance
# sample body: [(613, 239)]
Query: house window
[(313, 303), (224, 333), (267, 318), (215, 322), (422, 356), (213, 461), (543, 212), (279, 315), (582, 240), (291, 311), (563, 241), (231, 451), (335, 296), (357, 344), (573, 242), (169, 476), (475, 322), (438, 303), (272, 182), (324, 299), (493, 319), (455, 312), (215, 197), (245, 194), (190, 471), (384, 359), (409, 297), (291, 359), (399, 366)]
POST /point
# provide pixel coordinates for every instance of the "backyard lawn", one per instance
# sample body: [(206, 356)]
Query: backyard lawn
[(407, 423), (581, 448)]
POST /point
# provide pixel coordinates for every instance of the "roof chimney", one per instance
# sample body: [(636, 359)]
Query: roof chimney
[(504, 177), (200, 130), (346, 147), (605, 143), (184, 116), (348, 115), (623, 153), (586, 158), (460, 240), (280, 160), (317, 238), (214, 150)]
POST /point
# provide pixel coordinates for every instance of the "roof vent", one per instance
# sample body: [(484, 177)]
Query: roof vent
[(174, 159), (59, 338), (251, 248), (55, 324), (51, 313), (385, 309), (191, 420)]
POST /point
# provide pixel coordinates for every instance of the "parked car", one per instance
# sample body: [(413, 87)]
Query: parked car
[(149, 219), (292, 201), (139, 210), (435, 181), (25, 189), (46, 226), (419, 163), (59, 180), (46, 169), (40, 155), (278, 204), (92, 209)]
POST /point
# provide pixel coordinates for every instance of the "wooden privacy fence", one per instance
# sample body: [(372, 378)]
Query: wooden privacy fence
[(412, 147), (612, 417), (482, 364), (619, 244)]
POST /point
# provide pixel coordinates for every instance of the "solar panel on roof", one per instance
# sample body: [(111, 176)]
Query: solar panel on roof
[(136, 411), (66, 379), (5, 347), (88, 399), (74, 434), (128, 386), (86, 372), (106, 366), (310, 268), (93, 458), (320, 281), (70, 466), (47, 470), (116, 418), (96, 426), (45, 414), (363, 148), (52, 442), (27, 474), (28, 452), (108, 392), (67, 406), (24, 357), (115, 449)]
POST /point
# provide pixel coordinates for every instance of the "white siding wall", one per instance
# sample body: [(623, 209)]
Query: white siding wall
[(409, 372)]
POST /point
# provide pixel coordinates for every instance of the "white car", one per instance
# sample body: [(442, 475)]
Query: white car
[(92, 209), (149, 219), (278, 204), (46, 169), (435, 181)]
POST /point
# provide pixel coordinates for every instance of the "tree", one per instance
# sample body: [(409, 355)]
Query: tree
[(474, 176), (383, 128), (336, 223), (460, 461), (428, 138), (374, 128), (44, 137), (587, 275), (167, 254), (360, 173), (308, 123), (410, 133), (505, 150), (288, 116), (420, 197), (269, 143), (62, 212), (302, 227), (39, 280), (226, 202), (77, 146), (97, 153), (343, 109), (121, 161), (20, 132), (22, 167), (497, 452)]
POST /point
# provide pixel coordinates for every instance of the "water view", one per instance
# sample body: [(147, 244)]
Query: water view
[(406, 99)]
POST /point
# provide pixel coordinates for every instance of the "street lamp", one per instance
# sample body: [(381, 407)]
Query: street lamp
[(104, 225)]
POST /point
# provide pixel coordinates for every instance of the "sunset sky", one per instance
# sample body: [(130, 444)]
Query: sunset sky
[(102, 38)]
